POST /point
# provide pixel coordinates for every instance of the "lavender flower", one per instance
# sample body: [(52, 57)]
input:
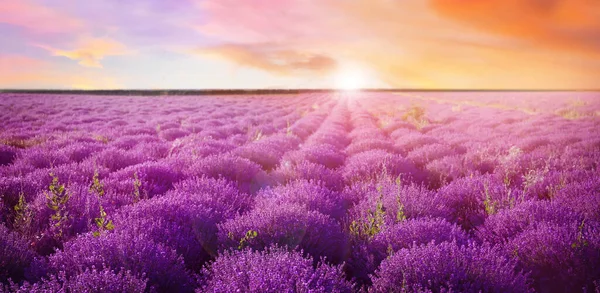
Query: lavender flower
[(273, 270)]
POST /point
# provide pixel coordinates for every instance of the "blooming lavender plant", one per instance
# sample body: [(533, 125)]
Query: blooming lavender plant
[(272, 270), (448, 267), (288, 225), (124, 251)]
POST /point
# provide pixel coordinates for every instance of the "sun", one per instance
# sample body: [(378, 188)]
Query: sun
[(350, 80)]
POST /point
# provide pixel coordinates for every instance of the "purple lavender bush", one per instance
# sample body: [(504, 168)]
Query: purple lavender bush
[(272, 270), (288, 225), (15, 255), (371, 165), (448, 267), (124, 252), (309, 194), (185, 219), (7, 155), (247, 174), (561, 257), (289, 172), (323, 154), (91, 280)]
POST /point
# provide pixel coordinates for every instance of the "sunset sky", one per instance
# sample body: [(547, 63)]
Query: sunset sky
[(200, 44)]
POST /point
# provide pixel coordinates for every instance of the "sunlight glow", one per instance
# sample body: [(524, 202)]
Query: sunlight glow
[(350, 80)]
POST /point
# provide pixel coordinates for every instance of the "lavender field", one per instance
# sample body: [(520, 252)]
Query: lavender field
[(311, 192)]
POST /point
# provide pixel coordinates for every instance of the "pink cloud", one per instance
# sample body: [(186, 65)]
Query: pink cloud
[(18, 63), (37, 18), (267, 20)]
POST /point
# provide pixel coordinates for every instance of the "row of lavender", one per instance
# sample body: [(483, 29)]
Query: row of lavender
[(316, 192)]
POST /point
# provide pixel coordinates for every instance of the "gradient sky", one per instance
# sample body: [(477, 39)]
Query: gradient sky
[(198, 44)]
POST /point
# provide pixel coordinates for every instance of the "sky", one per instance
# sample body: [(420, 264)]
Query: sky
[(231, 44)]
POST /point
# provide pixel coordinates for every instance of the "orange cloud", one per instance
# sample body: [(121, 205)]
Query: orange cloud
[(90, 51), (567, 24), (270, 58), (24, 72), (37, 18)]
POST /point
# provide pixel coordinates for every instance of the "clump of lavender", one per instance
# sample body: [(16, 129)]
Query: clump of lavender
[(248, 175), (561, 257), (124, 252), (508, 223), (273, 270), (323, 154), (15, 255), (220, 195), (150, 179), (394, 201), (91, 280), (7, 154), (471, 199), (288, 172), (288, 225), (375, 164), (416, 232), (309, 194), (447, 267), (185, 222)]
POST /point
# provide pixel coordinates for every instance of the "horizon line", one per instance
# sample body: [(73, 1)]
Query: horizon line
[(175, 92)]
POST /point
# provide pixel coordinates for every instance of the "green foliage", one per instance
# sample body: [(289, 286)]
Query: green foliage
[(416, 116), (554, 189), (137, 184), (258, 135), (254, 134), (400, 216), (23, 215), (580, 242), (251, 234), (57, 199), (102, 223), (288, 129), (414, 112), (506, 180), (22, 143), (390, 251), (371, 226), (491, 207), (97, 186), (101, 138)]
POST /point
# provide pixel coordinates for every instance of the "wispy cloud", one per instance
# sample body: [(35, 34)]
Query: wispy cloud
[(90, 51), (273, 59), (38, 18), (564, 24), (17, 71)]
